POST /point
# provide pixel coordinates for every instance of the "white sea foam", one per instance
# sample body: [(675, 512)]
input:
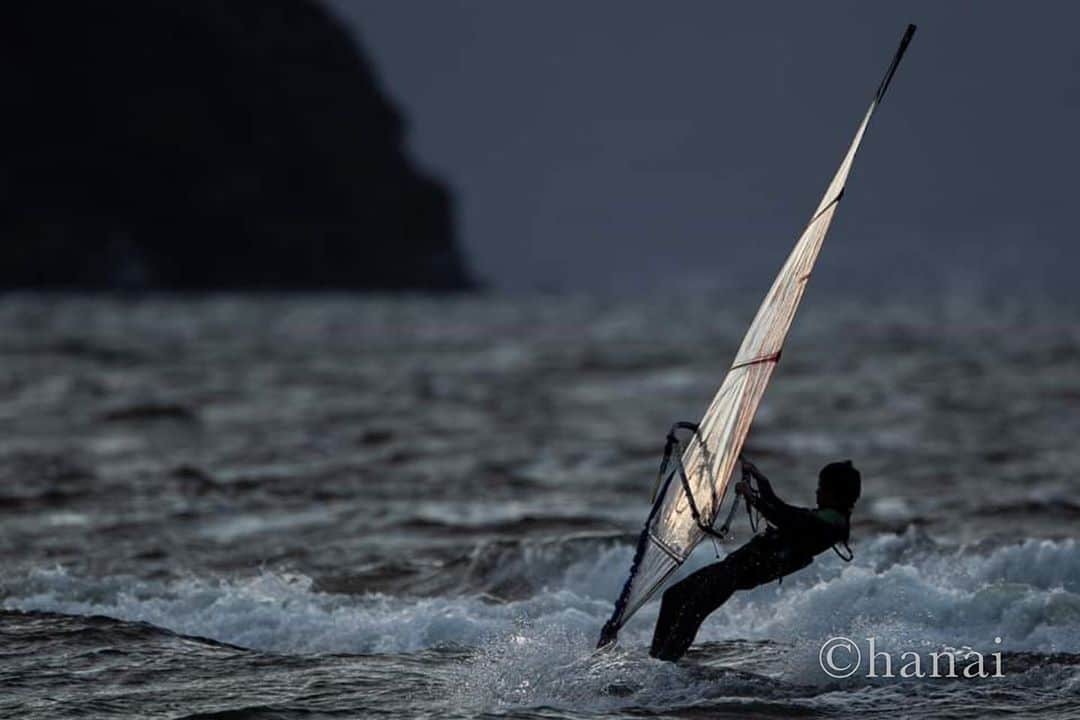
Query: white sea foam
[(536, 665), (1028, 594), (902, 589)]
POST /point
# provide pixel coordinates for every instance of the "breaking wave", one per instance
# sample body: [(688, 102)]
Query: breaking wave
[(901, 588)]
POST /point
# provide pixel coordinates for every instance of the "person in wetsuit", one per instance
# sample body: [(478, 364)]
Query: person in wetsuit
[(794, 536)]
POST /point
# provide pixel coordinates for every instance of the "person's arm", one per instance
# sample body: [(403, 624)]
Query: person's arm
[(775, 510)]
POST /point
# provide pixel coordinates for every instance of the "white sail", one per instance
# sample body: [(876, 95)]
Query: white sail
[(672, 532)]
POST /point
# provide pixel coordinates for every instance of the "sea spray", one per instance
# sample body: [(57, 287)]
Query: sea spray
[(899, 589)]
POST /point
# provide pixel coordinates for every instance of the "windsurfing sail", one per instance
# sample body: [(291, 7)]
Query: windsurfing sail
[(684, 511)]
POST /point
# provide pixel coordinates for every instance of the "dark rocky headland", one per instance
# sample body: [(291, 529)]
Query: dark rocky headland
[(207, 144)]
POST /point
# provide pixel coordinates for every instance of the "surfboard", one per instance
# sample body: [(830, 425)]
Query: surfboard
[(684, 511)]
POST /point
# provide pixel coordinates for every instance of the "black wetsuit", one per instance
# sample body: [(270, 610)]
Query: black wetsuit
[(794, 537)]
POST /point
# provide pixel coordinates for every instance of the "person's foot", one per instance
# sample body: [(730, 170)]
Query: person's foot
[(676, 627)]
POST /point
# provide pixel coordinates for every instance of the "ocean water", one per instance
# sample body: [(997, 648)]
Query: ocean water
[(304, 507)]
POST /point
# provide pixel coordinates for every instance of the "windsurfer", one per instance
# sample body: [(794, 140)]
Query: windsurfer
[(793, 537)]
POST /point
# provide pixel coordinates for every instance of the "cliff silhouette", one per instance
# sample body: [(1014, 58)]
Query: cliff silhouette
[(201, 144)]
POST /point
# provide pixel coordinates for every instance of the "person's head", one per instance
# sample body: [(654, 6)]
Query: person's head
[(839, 486)]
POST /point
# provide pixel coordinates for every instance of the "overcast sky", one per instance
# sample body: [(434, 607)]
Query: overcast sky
[(620, 145)]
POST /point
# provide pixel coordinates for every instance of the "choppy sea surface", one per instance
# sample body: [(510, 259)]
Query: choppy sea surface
[(304, 507)]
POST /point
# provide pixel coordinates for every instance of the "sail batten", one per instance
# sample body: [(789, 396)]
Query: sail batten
[(672, 532)]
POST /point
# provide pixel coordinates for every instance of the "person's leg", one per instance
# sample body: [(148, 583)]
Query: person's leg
[(686, 604)]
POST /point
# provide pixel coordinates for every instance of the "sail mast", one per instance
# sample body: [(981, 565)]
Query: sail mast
[(672, 530)]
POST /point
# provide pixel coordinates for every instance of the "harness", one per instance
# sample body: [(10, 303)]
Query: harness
[(847, 555)]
